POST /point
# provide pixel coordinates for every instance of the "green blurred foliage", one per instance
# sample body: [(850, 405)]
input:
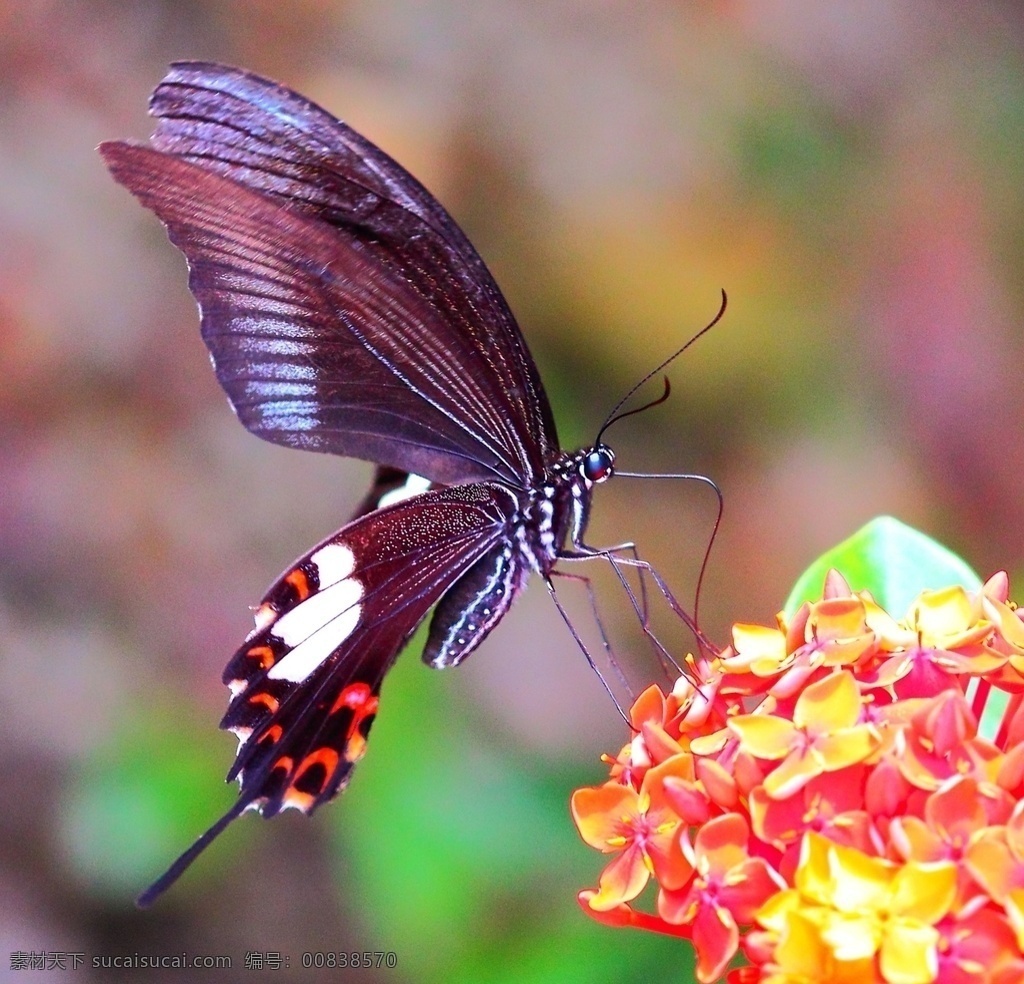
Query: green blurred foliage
[(467, 867), (140, 798)]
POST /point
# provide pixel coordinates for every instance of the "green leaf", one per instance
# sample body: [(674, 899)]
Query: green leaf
[(891, 560)]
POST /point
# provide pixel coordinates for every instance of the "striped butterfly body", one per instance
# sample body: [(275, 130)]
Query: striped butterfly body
[(345, 312)]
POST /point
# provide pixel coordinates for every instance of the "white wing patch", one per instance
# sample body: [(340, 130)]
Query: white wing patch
[(414, 485), (315, 628), (334, 562)]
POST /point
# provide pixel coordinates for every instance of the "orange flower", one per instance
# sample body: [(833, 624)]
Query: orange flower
[(821, 797), (639, 827), (995, 857)]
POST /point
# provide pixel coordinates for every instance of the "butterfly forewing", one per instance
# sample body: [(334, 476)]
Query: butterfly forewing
[(276, 142), (317, 344)]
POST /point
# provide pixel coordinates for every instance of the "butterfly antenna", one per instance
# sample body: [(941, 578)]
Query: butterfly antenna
[(615, 416)]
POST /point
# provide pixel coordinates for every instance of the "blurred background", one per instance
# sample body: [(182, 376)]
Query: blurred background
[(851, 173)]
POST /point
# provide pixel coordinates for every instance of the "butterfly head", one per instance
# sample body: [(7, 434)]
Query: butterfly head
[(598, 464)]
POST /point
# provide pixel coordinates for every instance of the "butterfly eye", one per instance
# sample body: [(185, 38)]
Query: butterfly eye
[(598, 465)]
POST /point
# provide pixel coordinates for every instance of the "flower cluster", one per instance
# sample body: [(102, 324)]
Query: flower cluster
[(819, 797)]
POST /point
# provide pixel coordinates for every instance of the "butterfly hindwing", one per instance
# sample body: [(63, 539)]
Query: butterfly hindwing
[(390, 485), (306, 682)]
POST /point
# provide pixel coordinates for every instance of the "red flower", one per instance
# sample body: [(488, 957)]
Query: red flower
[(727, 889)]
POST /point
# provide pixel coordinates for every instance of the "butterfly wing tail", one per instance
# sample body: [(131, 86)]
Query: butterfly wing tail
[(178, 868)]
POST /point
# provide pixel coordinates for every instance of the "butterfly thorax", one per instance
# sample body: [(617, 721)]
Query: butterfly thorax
[(558, 510)]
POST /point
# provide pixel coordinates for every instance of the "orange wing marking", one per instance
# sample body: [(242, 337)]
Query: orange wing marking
[(363, 702), (298, 580), (264, 654), (267, 700)]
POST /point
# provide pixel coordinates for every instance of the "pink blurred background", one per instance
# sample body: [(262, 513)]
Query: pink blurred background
[(851, 173)]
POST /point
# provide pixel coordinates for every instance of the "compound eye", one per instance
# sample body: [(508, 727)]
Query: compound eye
[(598, 464)]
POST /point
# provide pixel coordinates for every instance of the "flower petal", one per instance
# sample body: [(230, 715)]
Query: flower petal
[(909, 954), (599, 813), (715, 938), (621, 881), (764, 735), (829, 705)]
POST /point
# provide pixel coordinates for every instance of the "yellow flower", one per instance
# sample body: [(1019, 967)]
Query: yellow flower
[(825, 735)]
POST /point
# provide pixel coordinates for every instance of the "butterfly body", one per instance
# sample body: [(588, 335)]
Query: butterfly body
[(345, 312)]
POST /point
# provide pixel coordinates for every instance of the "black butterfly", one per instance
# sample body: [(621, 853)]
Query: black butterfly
[(346, 312)]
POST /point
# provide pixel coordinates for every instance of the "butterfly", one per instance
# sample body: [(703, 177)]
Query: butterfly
[(345, 312)]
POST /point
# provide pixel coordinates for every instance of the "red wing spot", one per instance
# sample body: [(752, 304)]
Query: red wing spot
[(313, 774), (267, 700), (355, 739), (298, 580), (362, 702), (272, 735), (327, 757), (264, 654), (355, 696), (275, 780)]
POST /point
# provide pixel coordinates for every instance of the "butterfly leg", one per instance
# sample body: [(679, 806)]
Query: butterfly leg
[(706, 646), (583, 647), (642, 606), (581, 551), (606, 642)]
